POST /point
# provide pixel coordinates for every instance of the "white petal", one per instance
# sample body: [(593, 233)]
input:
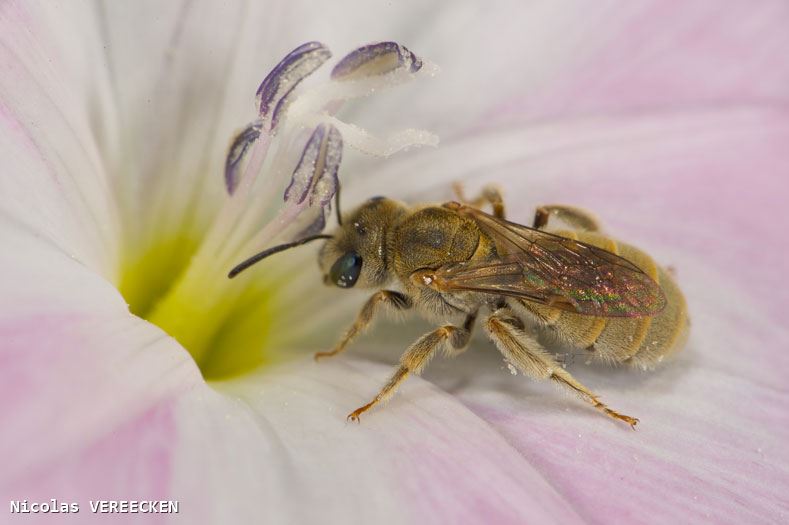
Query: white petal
[(55, 181), (285, 449)]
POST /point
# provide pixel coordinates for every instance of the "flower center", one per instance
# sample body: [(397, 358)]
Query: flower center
[(281, 174)]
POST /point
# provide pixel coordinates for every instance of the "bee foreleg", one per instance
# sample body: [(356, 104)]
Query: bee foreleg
[(576, 218), (528, 355), (490, 195), (395, 300), (418, 355), (461, 337)]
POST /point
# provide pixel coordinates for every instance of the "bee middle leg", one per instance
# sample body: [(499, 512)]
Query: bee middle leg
[(528, 355), (389, 298), (577, 218), (490, 195), (452, 339)]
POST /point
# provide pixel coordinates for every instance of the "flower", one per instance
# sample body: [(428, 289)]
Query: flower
[(670, 122)]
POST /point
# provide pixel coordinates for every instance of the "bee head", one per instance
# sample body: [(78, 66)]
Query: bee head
[(356, 253)]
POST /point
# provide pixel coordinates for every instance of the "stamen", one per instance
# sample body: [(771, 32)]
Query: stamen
[(374, 60), (315, 177), (238, 151), (368, 143), (364, 74), (200, 306), (316, 226), (316, 172), (291, 70), (326, 182), (274, 92)]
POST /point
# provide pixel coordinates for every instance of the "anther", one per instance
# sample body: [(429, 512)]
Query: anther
[(315, 175), (239, 148), (283, 79), (374, 60)]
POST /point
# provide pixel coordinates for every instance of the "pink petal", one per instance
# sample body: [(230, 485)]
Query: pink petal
[(655, 55)]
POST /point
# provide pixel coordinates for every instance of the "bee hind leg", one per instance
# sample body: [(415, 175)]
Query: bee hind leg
[(490, 195), (395, 300), (451, 338), (577, 218), (528, 355)]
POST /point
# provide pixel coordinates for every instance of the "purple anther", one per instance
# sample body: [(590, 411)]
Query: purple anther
[(239, 148), (325, 185), (295, 67), (303, 175), (315, 227), (316, 173), (376, 59)]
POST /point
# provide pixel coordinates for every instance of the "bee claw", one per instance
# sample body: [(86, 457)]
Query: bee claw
[(632, 421), (320, 355), (354, 416)]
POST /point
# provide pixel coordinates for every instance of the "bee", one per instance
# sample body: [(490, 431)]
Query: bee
[(456, 262)]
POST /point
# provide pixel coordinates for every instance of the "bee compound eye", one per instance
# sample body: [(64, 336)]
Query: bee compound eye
[(346, 270)]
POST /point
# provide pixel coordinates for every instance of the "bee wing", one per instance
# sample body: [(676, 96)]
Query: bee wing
[(556, 271)]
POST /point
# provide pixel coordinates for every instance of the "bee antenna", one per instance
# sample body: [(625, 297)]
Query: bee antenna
[(271, 251), (337, 205)]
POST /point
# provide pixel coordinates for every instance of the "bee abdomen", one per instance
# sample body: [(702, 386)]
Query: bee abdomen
[(668, 330), (638, 341), (644, 341)]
